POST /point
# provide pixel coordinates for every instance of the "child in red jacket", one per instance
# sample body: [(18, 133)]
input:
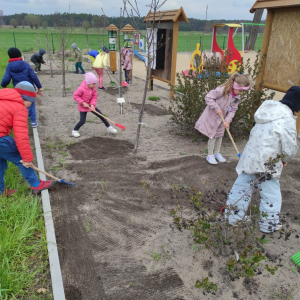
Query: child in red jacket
[(14, 115), (86, 96)]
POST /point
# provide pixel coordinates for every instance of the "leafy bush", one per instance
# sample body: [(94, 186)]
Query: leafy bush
[(187, 108)]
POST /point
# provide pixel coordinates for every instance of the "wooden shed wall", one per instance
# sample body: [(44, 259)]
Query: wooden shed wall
[(283, 58)]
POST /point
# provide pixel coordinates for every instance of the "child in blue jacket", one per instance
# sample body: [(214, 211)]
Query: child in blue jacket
[(18, 70)]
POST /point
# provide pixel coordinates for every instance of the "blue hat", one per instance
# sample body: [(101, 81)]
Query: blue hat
[(104, 48), (27, 91)]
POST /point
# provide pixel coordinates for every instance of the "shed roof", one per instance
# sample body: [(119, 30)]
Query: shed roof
[(128, 28), (274, 4), (112, 27), (167, 16)]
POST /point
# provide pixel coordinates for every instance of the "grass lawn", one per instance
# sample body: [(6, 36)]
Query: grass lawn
[(23, 248), (26, 39)]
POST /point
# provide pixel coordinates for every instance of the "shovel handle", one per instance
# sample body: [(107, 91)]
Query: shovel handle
[(230, 136), (45, 173), (102, 116)]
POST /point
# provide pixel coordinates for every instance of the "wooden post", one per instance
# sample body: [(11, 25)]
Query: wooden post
[(113, 61), (174, 56), (265, 46)]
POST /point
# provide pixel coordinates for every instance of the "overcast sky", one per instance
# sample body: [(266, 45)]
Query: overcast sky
[(217, 9)]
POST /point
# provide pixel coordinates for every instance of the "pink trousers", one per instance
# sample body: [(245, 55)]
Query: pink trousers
[(99, 72)]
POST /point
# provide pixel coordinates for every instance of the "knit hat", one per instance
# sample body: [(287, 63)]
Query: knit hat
[(292, 98), (14, 52), (27, 91), (74, 46), (90, 78), (104, 48)]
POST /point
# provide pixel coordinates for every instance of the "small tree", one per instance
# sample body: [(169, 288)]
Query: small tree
[(134, 13), (86, 25), (64, 36), (13, 22), (44, 25)]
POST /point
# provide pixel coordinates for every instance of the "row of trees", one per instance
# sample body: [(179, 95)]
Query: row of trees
[(96, 21)]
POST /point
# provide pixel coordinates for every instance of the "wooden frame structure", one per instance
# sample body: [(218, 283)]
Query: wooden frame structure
[(167, 24), (281, 43)]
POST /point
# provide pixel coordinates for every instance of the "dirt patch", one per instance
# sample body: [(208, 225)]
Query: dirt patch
[(115, 235), (152, 110), (114, 91)]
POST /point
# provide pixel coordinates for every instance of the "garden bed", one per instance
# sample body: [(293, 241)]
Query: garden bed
[(115, 235)]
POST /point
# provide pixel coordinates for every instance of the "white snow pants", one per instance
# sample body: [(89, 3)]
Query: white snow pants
[(270, 201)]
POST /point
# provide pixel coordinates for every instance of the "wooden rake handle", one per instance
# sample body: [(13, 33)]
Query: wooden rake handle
[(233, 143), (45, 173), (102, 116)]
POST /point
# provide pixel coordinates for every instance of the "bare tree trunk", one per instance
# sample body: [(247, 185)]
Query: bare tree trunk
[(254, 30), (49, 60), (143, 105), (87, 42), (63, 67)]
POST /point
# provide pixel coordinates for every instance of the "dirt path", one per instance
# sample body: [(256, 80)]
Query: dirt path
[(116, 237)]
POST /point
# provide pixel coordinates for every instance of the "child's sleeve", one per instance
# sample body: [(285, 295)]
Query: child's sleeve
[(288, 138), (6, 78), (94, 97), (232, 110), (211, 98), (78, 95), (33, 77)]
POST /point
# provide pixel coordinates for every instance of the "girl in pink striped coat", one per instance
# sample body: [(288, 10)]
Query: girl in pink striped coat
[(223, 100)]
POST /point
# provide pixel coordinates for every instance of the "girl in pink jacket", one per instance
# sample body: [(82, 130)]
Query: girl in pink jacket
[(86, 96), (223, 100), (126, 63)]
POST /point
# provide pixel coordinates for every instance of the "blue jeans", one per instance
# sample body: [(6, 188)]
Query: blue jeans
[(270, 201), (32, 112), (9, 152)]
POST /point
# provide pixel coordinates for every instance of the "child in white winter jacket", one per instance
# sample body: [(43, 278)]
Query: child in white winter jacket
[(273, 135)]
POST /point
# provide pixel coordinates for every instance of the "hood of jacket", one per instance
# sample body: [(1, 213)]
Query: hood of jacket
[(272, 110), (292, 98), (12, 95), (17, 66), (42, 52)]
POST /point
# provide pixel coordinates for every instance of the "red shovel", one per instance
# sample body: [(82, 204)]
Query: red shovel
[(118, 125)]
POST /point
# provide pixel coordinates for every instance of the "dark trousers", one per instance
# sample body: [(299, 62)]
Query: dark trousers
[(127, 75), (37, 66), (78, 65), (83, 119)]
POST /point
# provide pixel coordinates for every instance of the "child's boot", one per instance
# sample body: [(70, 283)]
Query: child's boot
[(211, 159), (44, 185), (112, 130), (220, 158), (75, 133), (7, 193)]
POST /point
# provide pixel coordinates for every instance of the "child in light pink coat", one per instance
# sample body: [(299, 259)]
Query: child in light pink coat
[(223, 100), (86, 96), (126, 63)]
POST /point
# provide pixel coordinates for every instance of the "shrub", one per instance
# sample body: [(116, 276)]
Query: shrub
[(187, 108)]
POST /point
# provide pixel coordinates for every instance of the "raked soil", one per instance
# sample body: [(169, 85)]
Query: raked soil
[(115, 237)]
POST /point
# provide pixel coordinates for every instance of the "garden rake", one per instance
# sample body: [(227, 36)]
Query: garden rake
[(296, 259), (111, 81), (118, 125), (51, 176), (233, 143)]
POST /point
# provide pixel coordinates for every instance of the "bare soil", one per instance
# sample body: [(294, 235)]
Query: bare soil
[(115, 235)]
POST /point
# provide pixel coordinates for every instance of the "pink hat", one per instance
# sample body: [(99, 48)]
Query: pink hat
[(90, 78)]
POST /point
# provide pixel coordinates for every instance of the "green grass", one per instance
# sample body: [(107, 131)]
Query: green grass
[(23, 248), (26, 39)]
